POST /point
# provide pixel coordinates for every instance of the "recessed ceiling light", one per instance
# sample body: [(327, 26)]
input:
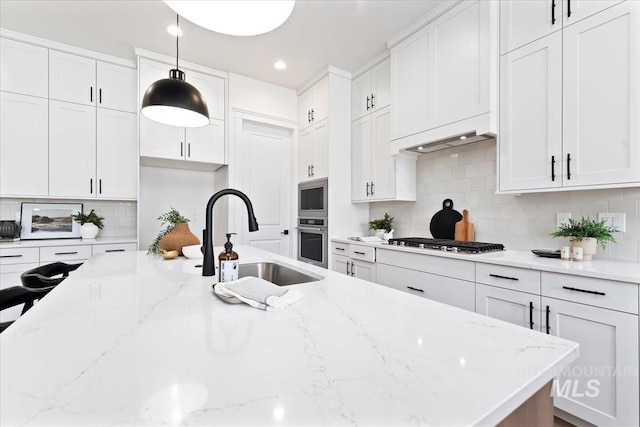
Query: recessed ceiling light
[(235, 17), (463, 137), (420, 148), (280, 65), (174, 31)]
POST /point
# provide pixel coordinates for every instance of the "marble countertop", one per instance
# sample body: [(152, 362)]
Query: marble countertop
[(130, 338), (67, 242), (598, 268)]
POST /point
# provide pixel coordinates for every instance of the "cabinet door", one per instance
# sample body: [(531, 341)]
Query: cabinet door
[(381, 84), (117, 87), (320, 106), (161, 141), (24, 68), (523, 21), (361, 96), (383, 164), (601, 97), (575, 10), (363, 270), (212, 89), (72, 150), (72, 78), (515, 307), (148, 72), (601, 386), (320, 164), (305, 101), (305, 154), (461, 55), (530, 142), (409, 89), (117, 154), (206, 144), (361, 159), (24, 145), (341, 264)]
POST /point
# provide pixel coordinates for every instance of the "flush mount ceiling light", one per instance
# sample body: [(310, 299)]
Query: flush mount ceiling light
[(235, 17), (175, 102)]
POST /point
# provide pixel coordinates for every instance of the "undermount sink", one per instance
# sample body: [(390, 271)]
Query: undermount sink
[(275, 273)]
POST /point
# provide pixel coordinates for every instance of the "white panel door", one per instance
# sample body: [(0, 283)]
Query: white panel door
[(383, 164), (212, 89), (601, 386), (72, 78), (205, 144), (24, 68), (575, 10), (361, 95), (162, 141), (266, 181), (523, 21), (24, 145), (72, 150), (361, 159), (601, 97), (117, 87), (515, 307), (409, 87), (117, 154), (381, 84), (530, 141)]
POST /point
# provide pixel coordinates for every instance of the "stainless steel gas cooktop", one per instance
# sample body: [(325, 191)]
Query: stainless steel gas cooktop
[(447, 245)]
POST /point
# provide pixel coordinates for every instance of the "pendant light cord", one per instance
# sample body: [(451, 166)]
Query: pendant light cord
[(177, 39)]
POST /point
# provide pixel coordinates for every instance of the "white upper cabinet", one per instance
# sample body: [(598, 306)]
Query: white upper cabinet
[(575, 10), (205, 144), (313, 104), (24, 148), (313, 152), (371, 90), (116, 87), (212, 89), (24, 68), (523, 21), (72, 78)]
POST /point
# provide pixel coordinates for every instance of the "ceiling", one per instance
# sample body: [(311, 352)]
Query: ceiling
[(342, 33)]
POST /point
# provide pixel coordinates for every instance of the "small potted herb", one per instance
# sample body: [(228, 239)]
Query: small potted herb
[(586, 233), (90, 224), (383, 227)]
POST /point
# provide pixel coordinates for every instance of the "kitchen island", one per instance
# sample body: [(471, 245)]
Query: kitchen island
[(133, 339)]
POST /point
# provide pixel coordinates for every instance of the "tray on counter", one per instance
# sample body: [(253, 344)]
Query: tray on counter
[(547, 253)]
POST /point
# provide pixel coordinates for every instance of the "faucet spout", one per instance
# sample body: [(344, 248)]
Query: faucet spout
[(208, 265)]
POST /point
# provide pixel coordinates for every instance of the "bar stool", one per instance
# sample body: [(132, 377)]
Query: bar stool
[(16, 295), (47, 277)]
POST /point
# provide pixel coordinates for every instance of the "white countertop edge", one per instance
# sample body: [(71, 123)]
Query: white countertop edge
[(598, 268), (68, 242)]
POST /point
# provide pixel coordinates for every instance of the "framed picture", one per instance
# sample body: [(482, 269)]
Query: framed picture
[(49, 221)]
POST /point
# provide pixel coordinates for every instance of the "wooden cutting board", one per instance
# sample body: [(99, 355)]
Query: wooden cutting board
[(464, 228)]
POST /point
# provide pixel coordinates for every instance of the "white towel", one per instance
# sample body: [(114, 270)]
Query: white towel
[(258, 293)]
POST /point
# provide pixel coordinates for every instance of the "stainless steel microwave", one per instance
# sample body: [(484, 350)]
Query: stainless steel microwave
[(312, 199)]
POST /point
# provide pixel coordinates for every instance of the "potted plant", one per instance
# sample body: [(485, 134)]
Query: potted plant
[(174, 235), (383, 227), (90, 224), (586, 233)]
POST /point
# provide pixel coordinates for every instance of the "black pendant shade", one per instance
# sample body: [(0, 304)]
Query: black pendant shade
[(175, 102)]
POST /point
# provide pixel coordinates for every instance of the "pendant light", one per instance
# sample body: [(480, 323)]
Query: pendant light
[(175, 102)]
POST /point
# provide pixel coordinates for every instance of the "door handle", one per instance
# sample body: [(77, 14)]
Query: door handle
[(189, 149), (312, 114), (100, 95), (553, 168), (312, 172), (91, 185), (568, 166), (181, 149), (414, 289), (100, 186), (348, 272), (548, 327), (114, 250), (367, 189), (569, 9), (309, 116), (553, 12), (497, 276), (372, 188), (66, 253), (91, 94), (530, 315), (372, 99), (285, 232), (368, 100)]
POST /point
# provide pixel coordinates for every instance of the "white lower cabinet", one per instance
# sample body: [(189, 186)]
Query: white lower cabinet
[(519, 308), (113, 247), (354, 260)]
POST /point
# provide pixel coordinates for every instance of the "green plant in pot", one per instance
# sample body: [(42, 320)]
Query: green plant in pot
[(90, 224), (174, 235), (586, 233), (383, 226)]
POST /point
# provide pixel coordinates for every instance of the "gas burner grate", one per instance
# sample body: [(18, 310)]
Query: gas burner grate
[(447, 245)]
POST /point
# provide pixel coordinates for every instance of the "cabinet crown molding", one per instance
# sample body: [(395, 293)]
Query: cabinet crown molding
[(371, 63), (329, 70), (169, 60), (430, 16)]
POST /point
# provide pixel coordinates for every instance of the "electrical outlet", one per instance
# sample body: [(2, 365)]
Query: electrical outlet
[(196, 217), (562, 218), (615, 220)]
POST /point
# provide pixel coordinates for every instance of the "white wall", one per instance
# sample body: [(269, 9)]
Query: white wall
[(262, 98), (467, 175)]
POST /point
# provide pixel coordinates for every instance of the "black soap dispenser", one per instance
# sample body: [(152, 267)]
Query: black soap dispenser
[(229, 262)]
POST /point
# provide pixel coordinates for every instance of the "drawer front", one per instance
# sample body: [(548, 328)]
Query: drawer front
[(340, 248), (65, 253), (586, 290), (114, 247), (19, 255), (454, 292), (458, 269), (364, 253), (517, 279)]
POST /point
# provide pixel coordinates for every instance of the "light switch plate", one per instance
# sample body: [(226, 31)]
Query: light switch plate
[(615, 220), (562, 218)]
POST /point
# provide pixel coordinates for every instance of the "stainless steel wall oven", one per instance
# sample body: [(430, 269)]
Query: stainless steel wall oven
[(313, 242)]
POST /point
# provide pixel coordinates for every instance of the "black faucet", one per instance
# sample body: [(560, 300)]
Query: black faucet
[(209, 264)]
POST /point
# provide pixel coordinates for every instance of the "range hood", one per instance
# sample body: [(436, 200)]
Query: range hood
[(452, 141)]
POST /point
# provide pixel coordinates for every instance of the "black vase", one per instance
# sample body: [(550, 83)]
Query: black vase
[(9, 229)]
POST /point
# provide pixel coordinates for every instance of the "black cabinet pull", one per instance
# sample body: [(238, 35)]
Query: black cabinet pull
[(553, 168), (312, 114), (497, 276), (100, 186), (568, 166), (530, 315), (309, 116), (114, 250), (367, 189), (66, 253), (548, 327), (100, 95), (569, 9), (359, 253), (372, 188), (181, 149), (368, 100), (91, 94), (11, 256), (348, 272), (189, 149), (372, 99), (569, 288), (553, 12), (414, 289), (91, 185), (339, 249)]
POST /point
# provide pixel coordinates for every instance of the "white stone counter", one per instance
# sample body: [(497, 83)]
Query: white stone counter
[(598, 268), (133, 339)]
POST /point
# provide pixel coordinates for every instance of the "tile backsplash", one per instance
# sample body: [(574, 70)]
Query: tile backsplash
[(467, 175), (120, 217)]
